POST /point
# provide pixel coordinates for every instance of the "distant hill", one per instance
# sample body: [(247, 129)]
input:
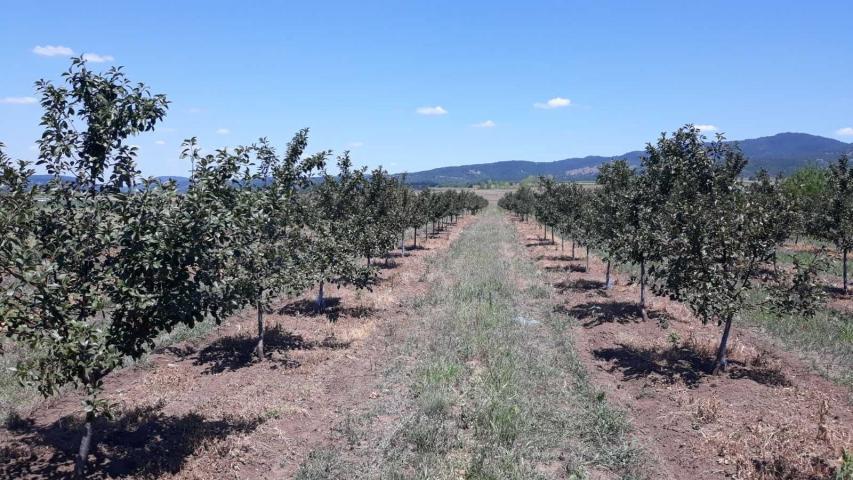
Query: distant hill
[(781, 153)]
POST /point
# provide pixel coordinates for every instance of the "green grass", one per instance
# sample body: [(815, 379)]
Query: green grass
[(493, 397), (825, 340)]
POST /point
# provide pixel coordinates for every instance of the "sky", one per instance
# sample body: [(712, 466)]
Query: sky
[(413, 85)]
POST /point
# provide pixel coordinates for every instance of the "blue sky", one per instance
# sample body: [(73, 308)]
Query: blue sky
[(370, 76)]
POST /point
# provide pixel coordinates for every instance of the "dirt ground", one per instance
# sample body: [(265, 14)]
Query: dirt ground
[(203, 410), (769, 417)]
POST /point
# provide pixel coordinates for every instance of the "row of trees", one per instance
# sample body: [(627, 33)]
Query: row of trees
[(95, 268), (698, 233)]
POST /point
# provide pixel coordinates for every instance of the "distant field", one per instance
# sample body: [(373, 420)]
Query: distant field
[(494, 194)]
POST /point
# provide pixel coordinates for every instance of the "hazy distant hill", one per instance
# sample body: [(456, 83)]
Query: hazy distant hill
[(783, 152)]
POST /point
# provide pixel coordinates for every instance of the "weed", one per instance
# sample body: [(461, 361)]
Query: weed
[(322, 465)]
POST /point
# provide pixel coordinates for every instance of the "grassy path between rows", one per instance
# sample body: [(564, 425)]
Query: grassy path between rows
[(487, 384)]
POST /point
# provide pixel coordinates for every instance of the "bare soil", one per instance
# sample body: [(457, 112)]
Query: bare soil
[(203, 409), (769, 417)]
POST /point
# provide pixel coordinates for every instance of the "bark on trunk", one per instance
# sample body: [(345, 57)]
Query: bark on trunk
[(721, 363), (403, 244), (82, 457), (321, 301), (643, 312), (259, 348), (607, 277), (844, 269), (415, 238), (573, 249)]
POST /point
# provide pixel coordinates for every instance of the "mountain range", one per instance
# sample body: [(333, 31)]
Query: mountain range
[(780, 153)]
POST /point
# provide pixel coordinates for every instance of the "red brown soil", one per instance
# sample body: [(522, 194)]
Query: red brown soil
[(770, 417), (203, 410)]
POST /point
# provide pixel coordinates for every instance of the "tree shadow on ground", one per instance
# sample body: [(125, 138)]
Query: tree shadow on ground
[(680, 362), (557, 258), (836, 293), (386, 265), (179, 351), (140, 442), (593, 314), (235, 352), (566, 268), (579, 284), (672, 364), (333, 309)]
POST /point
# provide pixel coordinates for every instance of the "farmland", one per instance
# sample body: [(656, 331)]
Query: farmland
[(286, 313)]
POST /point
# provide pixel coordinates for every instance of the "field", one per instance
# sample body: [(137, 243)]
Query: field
[(486, 353)]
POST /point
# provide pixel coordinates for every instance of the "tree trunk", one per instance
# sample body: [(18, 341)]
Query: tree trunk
[(721, 362), (562, 243), (259, 348), (415, 239), (573, 249), (586, 269), (643, 290), (321, 301), (844, 269), (607, 276), (403, 244), (82, 457)]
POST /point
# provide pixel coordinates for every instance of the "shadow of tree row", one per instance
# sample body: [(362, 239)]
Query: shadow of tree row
[(333, 310), (141, 442), (236, 352), (680, 363)]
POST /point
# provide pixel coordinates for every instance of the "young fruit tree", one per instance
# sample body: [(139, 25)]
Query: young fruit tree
[(712, 232), (612, 207), (546, 208), (806, 191), (335, 229), (270, 243), (838, 211), (99, 266)]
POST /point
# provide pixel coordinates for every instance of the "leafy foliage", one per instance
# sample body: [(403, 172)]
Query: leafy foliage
[(94, 269), (698, 232)]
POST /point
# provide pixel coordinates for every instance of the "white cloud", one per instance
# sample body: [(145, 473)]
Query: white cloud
[(432, 111), (53, 51), (17, 100), (160, 142), (556, 102), (486, 124), (96, 58), (355, 144), (845, 132), (222, 131), (195, 110), (707, 128)]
